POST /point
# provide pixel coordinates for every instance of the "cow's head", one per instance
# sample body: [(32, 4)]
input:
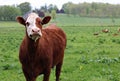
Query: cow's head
[(33, 25)]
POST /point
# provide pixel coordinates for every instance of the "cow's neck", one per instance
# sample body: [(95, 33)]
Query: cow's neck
[(31, 51), (32, 45)]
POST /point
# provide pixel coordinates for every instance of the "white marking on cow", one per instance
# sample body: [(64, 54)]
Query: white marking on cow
[(31, 25)]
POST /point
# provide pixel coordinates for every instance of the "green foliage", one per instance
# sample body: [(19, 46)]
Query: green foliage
[(92, 9), (87, 57), (52, 7), (53, 14), (8, 13), (25, 7), (65, 7)]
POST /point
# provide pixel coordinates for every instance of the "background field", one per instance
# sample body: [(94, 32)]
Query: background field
[(88, 57)]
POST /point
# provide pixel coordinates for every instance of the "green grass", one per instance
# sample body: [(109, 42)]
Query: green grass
[(71, 20), (87, 57)]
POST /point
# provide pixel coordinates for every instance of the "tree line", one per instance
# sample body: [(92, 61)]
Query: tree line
[(92, 9), (8, 13)]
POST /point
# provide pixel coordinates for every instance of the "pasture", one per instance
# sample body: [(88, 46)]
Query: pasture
[(88, 57)]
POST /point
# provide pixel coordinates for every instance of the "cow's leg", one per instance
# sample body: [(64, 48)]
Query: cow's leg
[(58, 70), (29, 77), (26, 75), (47, 74)]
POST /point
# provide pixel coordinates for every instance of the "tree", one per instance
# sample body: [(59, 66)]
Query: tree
[(53, 13), (60, 11), (39, 12), (25, 7), (8, 13), (66, 7), (92, 9), (52, 7), (44, 8)]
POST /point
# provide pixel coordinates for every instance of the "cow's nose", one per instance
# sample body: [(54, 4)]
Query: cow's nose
[(35, 30)]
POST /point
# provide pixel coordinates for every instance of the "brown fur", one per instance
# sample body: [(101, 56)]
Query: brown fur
[(105, 30), (96, 33), (40, 56)]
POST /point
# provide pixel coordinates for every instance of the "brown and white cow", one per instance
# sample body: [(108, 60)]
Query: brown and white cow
[(41, 48), (105, 30)]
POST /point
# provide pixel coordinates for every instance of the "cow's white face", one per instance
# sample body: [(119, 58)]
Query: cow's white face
[(33, 31), (33, 25)]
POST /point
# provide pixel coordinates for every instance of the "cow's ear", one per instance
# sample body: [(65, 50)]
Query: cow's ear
[(46, 20), (20, 20)]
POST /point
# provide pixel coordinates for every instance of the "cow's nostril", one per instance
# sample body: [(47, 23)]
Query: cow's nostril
[(38, 30), (35, 30), (30, 35)]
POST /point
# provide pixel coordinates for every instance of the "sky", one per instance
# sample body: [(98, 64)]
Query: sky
[(59, 3)]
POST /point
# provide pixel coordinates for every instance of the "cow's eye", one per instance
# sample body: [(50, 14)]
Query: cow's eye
[(27, 23)]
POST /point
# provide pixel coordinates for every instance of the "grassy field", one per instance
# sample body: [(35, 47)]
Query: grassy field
[(88, 57)]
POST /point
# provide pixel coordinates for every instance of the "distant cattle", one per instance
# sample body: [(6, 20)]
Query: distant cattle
[(96, 33), (119, 30), (115, 34), (105, 30), (41, 48)]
